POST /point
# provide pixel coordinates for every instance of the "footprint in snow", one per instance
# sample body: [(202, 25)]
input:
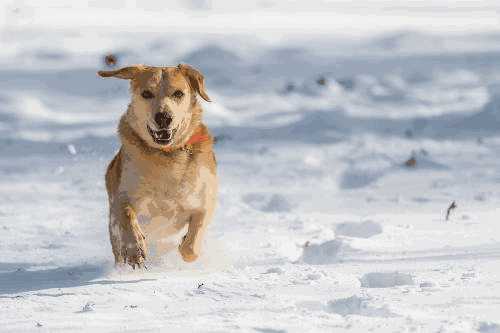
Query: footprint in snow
[(386, 280), (355, 305), (268, 330), (325, 253), (364, 229), (274, 270)]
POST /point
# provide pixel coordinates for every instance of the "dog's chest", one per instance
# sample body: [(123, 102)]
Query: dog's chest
[(154, 212), (160, 194)]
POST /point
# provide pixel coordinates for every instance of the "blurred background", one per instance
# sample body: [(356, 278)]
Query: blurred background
[(392, 53)]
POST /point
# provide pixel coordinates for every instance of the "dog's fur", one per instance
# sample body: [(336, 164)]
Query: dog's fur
[(156, 189)]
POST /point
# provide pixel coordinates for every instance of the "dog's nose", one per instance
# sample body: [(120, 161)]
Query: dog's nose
[(163, 119)]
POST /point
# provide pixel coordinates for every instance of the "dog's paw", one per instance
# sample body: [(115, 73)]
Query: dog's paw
[(187, 251), (134, 250)]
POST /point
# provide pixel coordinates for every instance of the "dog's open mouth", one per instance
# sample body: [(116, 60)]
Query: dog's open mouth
[(161, 136)]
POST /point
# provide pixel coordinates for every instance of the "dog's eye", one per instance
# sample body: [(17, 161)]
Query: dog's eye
[(178, 94), (147, 94)]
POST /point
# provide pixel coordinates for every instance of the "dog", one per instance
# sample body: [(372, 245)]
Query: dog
[(163, 179)]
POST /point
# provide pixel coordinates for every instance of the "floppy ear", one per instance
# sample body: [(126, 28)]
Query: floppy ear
[(196, 80), (123, 73)]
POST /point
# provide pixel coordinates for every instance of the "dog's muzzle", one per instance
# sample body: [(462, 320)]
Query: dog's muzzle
[(161, 136)]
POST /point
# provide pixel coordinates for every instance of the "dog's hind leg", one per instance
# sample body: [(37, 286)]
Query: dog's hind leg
[(191, 243)]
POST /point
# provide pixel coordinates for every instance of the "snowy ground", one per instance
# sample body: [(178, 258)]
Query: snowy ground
[(321, 226)]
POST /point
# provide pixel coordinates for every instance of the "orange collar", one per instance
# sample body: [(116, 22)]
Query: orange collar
[(197, 137)]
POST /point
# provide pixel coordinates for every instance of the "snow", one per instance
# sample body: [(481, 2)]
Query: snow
[(321, 223), (385, 280), (364, 229), (356, 306)]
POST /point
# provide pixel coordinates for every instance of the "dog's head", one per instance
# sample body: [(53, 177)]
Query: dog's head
[(164, 109)]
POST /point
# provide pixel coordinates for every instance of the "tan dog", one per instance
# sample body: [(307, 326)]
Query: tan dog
[(164, 176)]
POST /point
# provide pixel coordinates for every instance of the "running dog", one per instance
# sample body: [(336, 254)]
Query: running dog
[(163, 179)]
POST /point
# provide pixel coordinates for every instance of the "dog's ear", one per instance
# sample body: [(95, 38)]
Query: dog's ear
[(123, 73), (196, 80)]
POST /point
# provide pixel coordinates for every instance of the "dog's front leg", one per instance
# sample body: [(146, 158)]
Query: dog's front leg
[(127, 239), (191, 243)]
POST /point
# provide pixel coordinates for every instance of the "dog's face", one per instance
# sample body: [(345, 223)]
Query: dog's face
[(162, 111)]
